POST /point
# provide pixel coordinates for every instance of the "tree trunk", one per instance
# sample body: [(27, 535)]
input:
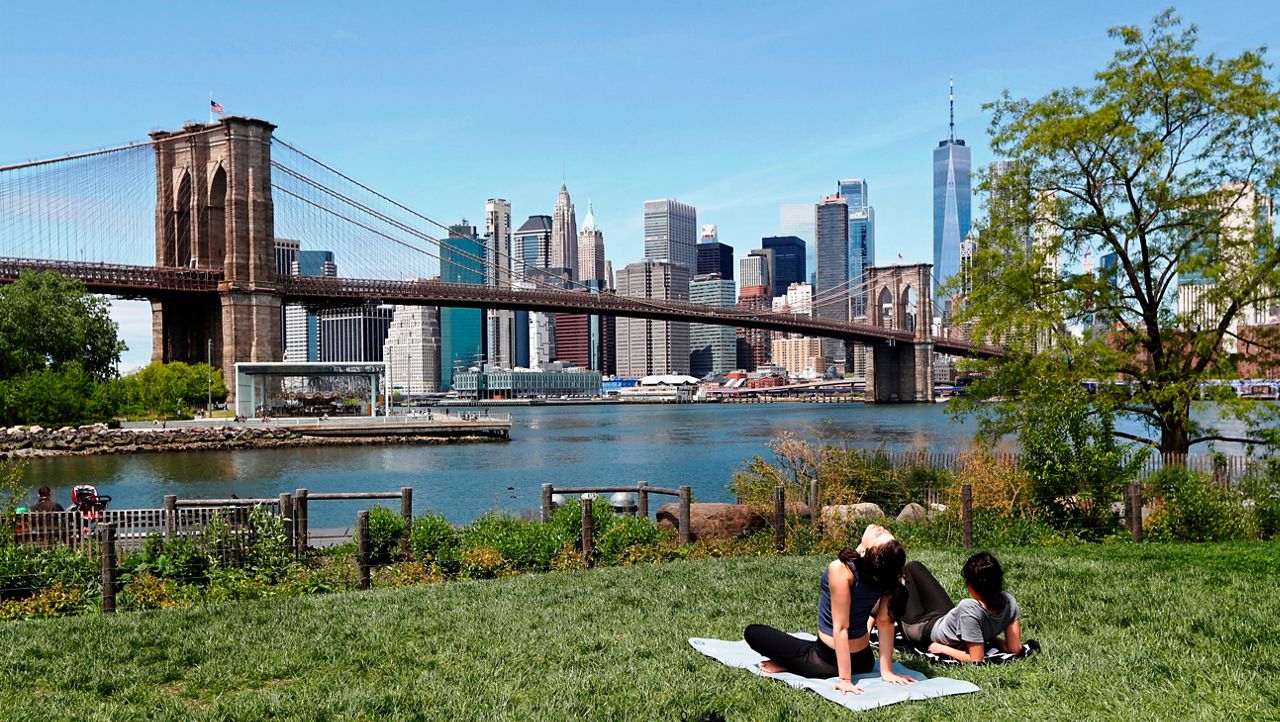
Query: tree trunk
[(1174, 438)]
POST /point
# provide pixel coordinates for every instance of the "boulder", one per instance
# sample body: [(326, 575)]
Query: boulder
[(845, 514), (713, 520), (913, 512)]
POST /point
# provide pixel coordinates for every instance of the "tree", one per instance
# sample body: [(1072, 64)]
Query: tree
[(1159, 170), (171, 388), (48, 321)]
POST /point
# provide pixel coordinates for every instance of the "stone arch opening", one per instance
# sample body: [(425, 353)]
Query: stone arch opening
[(182, 222), (215, 240), (885, 304), (910, 314)]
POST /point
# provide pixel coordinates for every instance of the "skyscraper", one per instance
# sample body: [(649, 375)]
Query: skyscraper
[(862, 239), (412, 349), (755, 269), (461, 329), (532, 247), (755, 345), (951, 205), (500, 330), (831, 294), (712, 348), (353, 333), (796, 219), (671, 233), (714, 256), (590, 249), (650, 346), (564, 235), (788, 261), (302, 326)]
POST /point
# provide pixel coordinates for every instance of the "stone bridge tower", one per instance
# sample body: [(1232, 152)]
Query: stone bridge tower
[(900, 298), (214, 211)]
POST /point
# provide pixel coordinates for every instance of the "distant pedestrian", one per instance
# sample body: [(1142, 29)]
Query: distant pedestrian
[(46, 502)]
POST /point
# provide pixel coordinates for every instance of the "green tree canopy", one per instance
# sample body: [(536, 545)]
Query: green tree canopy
[(48, 321), (1160, 172), (168, 388)]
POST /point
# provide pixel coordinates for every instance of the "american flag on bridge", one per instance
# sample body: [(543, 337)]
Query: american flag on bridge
[(215, 106)]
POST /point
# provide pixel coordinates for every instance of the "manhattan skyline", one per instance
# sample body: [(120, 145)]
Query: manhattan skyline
[(445, 125)]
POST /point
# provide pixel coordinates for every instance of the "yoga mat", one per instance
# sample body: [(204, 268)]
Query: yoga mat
[(875, 691)]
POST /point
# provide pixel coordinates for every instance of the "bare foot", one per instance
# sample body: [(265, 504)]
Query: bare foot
[(771, 667)]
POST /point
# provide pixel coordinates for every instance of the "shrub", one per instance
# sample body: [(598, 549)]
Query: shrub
[(322, 576), (406, 574), (177, 559), (26, 570), (145, 590), (386, 529), (433, 539), (525, 545), (1264, 491), (627, 532), (267, 555), (998, 485), (484, 563), (566, 522), (1195, 508), (57, 600)]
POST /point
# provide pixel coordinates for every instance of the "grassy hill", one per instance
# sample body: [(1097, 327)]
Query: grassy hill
[(1129, 632)]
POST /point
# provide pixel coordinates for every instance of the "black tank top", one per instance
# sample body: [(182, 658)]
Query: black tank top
[(861, 599)]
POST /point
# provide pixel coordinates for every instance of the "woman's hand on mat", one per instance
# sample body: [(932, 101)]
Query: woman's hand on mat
[(845, 685), (895, 678)]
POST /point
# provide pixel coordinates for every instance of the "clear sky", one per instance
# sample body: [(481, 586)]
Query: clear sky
[(733, 108)]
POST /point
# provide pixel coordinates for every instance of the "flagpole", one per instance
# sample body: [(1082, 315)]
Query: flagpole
[(210, 107)]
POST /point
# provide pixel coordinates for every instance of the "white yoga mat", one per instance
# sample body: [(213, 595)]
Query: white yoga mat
[(875, 691)]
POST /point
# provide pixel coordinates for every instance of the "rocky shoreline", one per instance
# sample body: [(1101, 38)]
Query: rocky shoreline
[(36, 441)]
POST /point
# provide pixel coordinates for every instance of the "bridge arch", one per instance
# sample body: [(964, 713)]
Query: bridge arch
[(181, 224), (213, 241)]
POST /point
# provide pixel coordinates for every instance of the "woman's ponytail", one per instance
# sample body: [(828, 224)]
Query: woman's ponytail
[(983, 572)]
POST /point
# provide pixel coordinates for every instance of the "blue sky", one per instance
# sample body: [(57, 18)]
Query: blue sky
[(733, 108)]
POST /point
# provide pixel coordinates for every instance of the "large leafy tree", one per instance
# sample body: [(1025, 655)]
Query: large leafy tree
[(1159, 173), (48, 322)]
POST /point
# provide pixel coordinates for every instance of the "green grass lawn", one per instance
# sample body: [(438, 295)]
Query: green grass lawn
[(1129, 632)]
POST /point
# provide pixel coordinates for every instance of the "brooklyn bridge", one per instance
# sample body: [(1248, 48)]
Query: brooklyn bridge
[(189, 219)]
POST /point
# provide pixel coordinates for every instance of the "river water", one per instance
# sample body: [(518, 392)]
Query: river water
[(666, 445)]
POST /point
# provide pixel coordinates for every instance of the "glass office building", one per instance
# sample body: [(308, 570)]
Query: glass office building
[(461, 329), (952, 200), (788, 261)]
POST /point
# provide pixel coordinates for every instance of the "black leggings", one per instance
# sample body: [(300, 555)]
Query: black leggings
[(927, 602), (801, 656)]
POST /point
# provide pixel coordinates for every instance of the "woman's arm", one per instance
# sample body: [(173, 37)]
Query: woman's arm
[(839, 581), (977, 651), (1012, 642), (884, 623)]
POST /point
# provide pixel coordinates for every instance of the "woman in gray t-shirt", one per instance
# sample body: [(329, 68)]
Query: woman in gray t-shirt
[(962, 631)]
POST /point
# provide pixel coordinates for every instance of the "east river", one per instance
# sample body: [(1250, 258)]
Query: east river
[(666, 445)]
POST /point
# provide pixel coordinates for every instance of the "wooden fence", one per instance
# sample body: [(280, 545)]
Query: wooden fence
[(642, 490)]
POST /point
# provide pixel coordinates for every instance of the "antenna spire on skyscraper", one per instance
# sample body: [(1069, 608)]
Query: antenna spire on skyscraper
[(953, 110)]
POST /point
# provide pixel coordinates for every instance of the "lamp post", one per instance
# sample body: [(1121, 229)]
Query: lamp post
[(208, 406)]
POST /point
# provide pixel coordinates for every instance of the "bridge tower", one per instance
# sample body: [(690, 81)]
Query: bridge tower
[(214, 211), (900, 298)]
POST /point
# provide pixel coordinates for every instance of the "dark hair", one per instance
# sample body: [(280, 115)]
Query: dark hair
[(42, 492), (984, 574), (880, 567)]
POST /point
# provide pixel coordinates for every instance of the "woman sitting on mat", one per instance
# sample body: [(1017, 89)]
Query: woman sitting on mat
[(962, 631), (851, 587)]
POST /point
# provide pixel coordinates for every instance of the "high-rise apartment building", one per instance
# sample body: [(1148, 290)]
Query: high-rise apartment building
[(671, 233), (532, 247), (798, 300), (798, 355), (951, 206), (461, 329), (754, 344), (712, 348), (831, 294), (500, 331), (564, 235), (591, 261), (412, 349), (789, 261), (650, 346), (755, 269)]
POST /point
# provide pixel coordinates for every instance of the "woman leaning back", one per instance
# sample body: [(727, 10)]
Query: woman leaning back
[(851, 586)]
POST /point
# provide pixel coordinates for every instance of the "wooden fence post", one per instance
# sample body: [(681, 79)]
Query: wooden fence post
[(686, 499), (588, 532), (108, 532), (1135, 510), (170, 516), (642, 499), (406, 511), (547, 491), (362, 546), (780, 517), (966, 514), (286, 514), (300, 519)]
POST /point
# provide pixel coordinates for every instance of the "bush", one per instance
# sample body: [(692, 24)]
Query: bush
[(484, 563), (406, 574), (627, 532), (433, 539), (26, 570), (386, 529), (566, 522), (525, 545), (322, 576), (58, 600), (232, 584), (1194, 508), (178, 559), (1264, 491), (145, 590), (268, 555)]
